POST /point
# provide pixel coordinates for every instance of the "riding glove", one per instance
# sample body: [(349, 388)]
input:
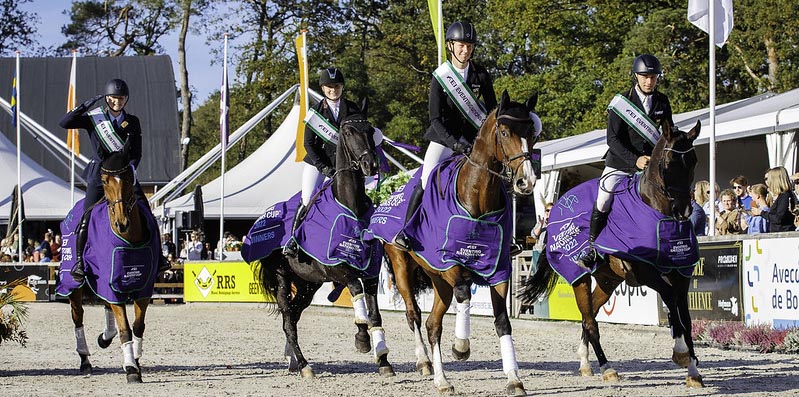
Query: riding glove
[(328, 171), (461, 146)]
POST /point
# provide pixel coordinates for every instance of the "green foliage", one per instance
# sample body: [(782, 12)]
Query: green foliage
[(388, 186), (13, 314), (17, 28)]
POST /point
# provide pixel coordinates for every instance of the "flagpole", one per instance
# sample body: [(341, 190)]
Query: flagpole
[(19, 163), (224, 150), (72, 134), (712, 122)]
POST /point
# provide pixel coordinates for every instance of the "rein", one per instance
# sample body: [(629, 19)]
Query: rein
[(666, 191), (507, 172), (353, 160), (127, 204)]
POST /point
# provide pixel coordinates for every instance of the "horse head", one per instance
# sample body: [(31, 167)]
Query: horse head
[(356, 148), (516, 129), (117, 177), (671, 171)]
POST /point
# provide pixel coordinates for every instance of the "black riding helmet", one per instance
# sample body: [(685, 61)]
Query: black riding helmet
[(646, 64), (461, 31), (116, 87), (331, 76)]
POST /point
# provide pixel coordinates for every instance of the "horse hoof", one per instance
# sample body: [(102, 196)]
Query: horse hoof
[(133, 374), (461, 349), (307, 372), (86, 369), (681, 359), (586, 371), (610, 375), (448, 390), (102, 342), (425, 368), (515, 389), (387, 371), (362, 343), (694, 381)]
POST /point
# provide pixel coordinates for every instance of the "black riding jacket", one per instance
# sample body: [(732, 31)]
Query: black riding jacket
[(318, 152)]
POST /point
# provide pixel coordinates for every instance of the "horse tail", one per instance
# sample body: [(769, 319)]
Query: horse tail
[(541, 283), (266, 276), (423, 282)]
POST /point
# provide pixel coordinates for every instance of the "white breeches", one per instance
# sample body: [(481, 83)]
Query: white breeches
[(311, 179), (432, 157), (607, 187)]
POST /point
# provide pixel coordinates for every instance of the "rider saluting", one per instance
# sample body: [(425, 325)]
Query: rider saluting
[(111, 129), (629, 148), (450, 130)]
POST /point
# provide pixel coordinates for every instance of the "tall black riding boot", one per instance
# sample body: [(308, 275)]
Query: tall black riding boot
[(77, 272), (291, 247), (598, 221), (413, 204)]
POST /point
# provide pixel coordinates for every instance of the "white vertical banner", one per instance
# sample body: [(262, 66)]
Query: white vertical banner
[(224, 106)]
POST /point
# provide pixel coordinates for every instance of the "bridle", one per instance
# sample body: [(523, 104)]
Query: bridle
[(353, 160), (670, 191), (127, 203), (507, 173)]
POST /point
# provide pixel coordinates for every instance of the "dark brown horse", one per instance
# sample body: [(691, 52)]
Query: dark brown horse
[(127, 223), (664, 186), (502, 148), (293, 282)]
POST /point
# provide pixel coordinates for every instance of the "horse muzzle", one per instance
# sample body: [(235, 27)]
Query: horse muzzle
[(524, 185)]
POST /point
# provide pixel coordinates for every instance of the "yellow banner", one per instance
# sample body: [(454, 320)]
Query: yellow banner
[(220, 282), (73, 137), (302, 58), (438, 27)]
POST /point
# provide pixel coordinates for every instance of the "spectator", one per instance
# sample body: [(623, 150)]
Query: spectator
[(702, 196), (740, 187), (44, 246), (194, 247), (698, 216), (55, 248), (728, 220), (43, 252), (780, 215), (755, 224), (539, 231), (206, 252), (167, 246)]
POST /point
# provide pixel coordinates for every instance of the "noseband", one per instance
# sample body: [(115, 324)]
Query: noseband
[(127, 204), (353, 160), (507, 173)]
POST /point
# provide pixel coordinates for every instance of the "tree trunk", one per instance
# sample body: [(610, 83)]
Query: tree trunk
[(185, 93)]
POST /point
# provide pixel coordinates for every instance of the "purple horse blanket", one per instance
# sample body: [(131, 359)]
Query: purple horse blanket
[(635, 232), (443, 233), (331, 233), (115, 269)]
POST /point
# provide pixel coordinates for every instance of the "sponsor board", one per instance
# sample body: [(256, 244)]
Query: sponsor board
[(562, 305), (715, 291), (630, 305), (34, 281), (210, 281), (770, 278)]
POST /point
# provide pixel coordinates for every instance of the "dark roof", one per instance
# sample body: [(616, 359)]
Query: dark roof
[(153, 98)]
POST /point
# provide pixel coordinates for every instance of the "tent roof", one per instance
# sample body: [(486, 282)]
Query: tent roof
[(757, 115), (269, 175), (153, 98), (44, 196)]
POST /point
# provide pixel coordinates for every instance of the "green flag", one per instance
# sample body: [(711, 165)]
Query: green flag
[(438, 27)]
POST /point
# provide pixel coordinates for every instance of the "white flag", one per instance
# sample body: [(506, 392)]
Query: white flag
[(698, 15)]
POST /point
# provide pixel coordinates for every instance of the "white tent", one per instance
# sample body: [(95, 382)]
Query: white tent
[(269, 175), (740, 127), (45, 196)]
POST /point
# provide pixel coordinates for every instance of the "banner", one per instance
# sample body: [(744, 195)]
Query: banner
[(770, 278), (436, 18), (14, 115), (224, 105), (220, 282), (715, 292), (302, 58), (73, 138), (698, 15)]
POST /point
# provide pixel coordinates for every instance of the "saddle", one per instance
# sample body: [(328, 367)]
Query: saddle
[(116, 270), (635, 232)]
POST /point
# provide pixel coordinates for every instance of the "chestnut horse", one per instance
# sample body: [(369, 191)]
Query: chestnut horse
[(666, 187), (501, 154)]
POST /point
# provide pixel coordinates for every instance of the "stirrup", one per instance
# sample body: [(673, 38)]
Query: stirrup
[(401, 241), (290, 249), (77, 272), (588, 258)]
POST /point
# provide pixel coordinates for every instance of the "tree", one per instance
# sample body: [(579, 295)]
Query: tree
[(188, 9), (17, 27)]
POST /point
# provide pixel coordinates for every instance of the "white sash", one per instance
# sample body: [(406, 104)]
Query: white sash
[(460, 93), (633, 116), (105, 130), (321, 127)]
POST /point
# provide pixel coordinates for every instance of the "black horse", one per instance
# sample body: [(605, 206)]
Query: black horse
[(293, 282), (665, 187)]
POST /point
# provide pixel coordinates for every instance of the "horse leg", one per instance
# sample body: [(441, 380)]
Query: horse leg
[(76, 308), (288, 307), (362, 340), (504, 330), (674, 293), (463, 298), (588, 305), (376, 330), (132, 371), (403, 278), (140, 310), (110, 331), (441, 301)]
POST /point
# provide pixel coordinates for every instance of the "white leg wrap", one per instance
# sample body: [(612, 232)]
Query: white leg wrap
[(359, 305), (110, 330), (508, 354), (582, 352), (692, 370), (421, 348), (680, 346), (137, 347), (379, 341), (80, 339), (462, 317), (127, 353)]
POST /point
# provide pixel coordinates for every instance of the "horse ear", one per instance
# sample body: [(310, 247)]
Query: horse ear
[(505, 99), (694, 132), (531, 102), (365, 106), (666, 128)]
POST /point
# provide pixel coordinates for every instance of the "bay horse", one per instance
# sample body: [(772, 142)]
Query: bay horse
[(665, 186), (128, 223), (294, 281), (501, 154)]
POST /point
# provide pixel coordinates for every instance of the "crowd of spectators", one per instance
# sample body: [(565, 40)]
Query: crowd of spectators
[(46, 250)]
